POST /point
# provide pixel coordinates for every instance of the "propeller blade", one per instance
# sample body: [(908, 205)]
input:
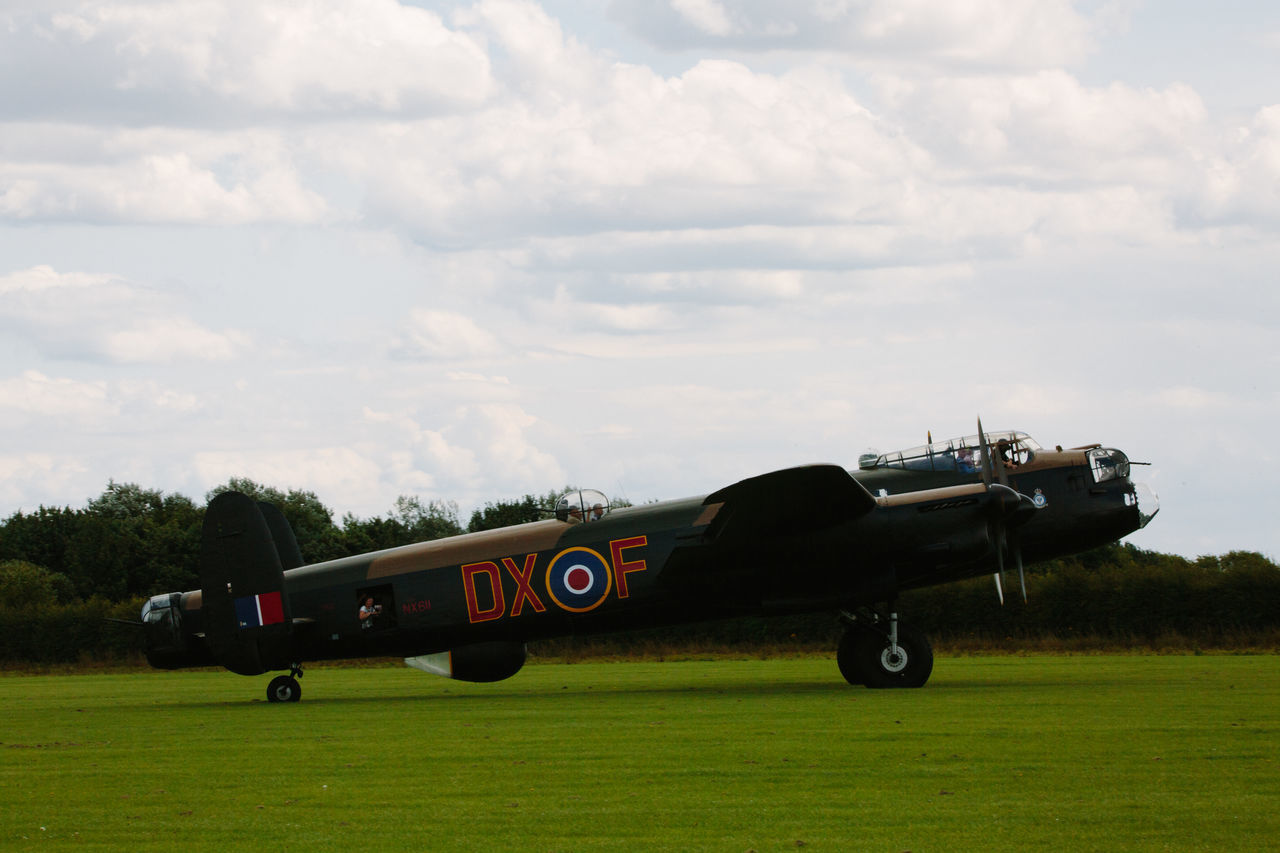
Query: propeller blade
[(988, 458), (1000, 533), (985, 454), (1000, 546), (1016, 547)]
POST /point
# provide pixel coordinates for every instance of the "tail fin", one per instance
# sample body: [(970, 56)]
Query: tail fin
[(282, 534), (246, 612)]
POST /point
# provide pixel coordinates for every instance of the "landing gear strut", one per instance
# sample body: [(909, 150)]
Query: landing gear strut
[(285, 688), (879, 652)]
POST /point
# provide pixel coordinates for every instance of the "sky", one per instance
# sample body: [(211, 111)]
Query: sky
[(468, 251)]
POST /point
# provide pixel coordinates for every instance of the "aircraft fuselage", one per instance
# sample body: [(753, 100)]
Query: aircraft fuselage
[(798, 540)]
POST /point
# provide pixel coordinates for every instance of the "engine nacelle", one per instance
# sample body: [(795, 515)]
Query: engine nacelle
[(492, 661)]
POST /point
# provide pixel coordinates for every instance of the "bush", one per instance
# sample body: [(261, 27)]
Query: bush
[(70, 633)]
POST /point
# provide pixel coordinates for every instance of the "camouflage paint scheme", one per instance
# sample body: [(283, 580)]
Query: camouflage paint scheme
[(797, 540)]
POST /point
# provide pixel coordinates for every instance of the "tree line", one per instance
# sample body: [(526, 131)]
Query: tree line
[(132, 542), (62, 570)]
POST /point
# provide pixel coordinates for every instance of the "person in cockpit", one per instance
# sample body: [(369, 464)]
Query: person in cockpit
[(1007, 455)]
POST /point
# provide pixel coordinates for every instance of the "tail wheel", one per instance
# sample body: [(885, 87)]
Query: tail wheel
[(284, 688), (882, 664)]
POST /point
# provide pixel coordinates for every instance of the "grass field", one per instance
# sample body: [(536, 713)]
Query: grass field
[(1088, 752)]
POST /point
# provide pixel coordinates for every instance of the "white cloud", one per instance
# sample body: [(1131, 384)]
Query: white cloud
[(978, 33), (28, 480), (719, 145), (1190, 398), (149, 398), (156, 339), (985, 33), (305, 56), (1243, 182), (541, 62), (368, 249), (1050, 126), (578, 145), (34, 393), (476, 446), (444, 335), (709, 16), (336, 471), (99, 316), (46, 278), (152, 175), (499, 434), (48, 409)]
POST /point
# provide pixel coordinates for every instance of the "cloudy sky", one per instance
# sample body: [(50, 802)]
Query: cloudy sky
[(471, 250)]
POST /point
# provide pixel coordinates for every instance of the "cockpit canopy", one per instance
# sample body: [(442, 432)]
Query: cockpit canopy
[(160, 609), (582, 505), (955, 454), (1107, 463)]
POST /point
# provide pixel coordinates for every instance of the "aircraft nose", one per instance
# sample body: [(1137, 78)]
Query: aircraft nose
[(1148, 503)]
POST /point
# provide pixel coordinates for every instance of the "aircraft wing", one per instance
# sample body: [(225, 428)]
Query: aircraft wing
[(788, 502), (745, 557)]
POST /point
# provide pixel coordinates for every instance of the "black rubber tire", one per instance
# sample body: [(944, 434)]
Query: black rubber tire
[(847, 653), (879, 668), (284, 688)]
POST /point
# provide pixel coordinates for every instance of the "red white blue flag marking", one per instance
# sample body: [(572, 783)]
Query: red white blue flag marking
[(253, 611)]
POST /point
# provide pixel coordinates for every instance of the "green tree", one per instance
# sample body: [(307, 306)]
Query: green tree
[(318, 537), (411, 521), (523, 510), (135, 541), (24, 584), (42, 537), (434, 520), (127, 501), (506, 513)]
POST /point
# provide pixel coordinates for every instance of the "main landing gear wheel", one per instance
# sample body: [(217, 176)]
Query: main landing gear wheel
[(847, 652), (867, 655), (284, 688)]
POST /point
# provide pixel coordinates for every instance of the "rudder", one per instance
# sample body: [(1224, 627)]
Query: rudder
[(246, 612)]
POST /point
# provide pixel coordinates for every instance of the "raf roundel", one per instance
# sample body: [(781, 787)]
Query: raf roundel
[(579, 580)]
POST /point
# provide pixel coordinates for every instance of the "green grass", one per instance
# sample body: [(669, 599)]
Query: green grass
[(1017, 753)]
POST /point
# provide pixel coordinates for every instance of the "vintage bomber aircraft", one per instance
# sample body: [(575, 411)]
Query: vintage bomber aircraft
[(797, 540)]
